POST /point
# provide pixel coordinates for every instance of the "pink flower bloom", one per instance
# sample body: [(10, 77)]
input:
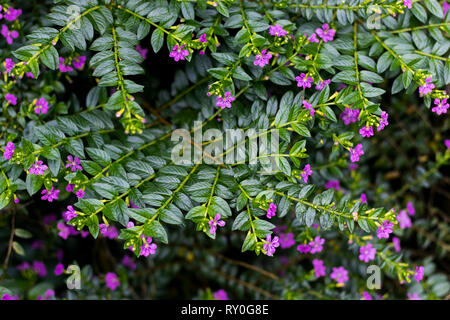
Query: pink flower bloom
[(63, 67), (80, 193), (9, 35), (313, 38), (333, 184), (38, 168), (220, 295), (303, 81), (9, 65), (49, 293), (127, 262), (326, 33), (271, 210), (142, 51), (9, 150), (418, 274), (303, 248), (148, 247), (366, 296), (309, 107), (262, 59), (112, 281), (323, 84), (12, 14), (59, 269), (109, 232), (363, 198), (383, 121), (410, 208), (404, 220), (396, 242), (385, 229), (64, 230), (270, 245), (306, 173), (6, 296), (225, 102), (213, 223), (356, 153), (31, 75), (340, 275), (69, 187), (349, 116), (73, 163), (367, 253), (203, 38), (39, 268), (445, 7), (426, 88), (407, 3), (277, 30), (413, 296), (41, 106), (319, 268), (447, 143), (50, 195), (12, 99), (287, 240), (78, 62), (317, 244), (69, 214), (441, 106), (366, 132), (178, 53)]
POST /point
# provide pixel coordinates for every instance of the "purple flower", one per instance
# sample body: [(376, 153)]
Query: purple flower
[(178, 53), (404, 220), (287, 240), (127, 262), (367, 253), (385, 229), (271, 210), (73, 163), (441, 106), (270, 245), (37, 168), (109, 232), (12, 99), (203, 38), (9, 150), (447, 143), (220, 295), (69, 187), (39, 268), (142, 51), (262, 59), (225, 102), (277, 30), (309, 107), (407, 3), (50, 195), (410, 208), (383, 121), (340, 275), (6, 296), (147, 247), (69, 214), (64, 230), (356, 153), (213, 223), (63, 67), (326, 33), (317, 244), (79, 61), (59, 269), (80, 193), (413, 296), (366, 132), (333, 184), (41, 106), (112, 281), (12, 14), (349, 116), (323, 84), (319, 268), (426, 88), (445, 7), (303, 81), (418, 274), (9, 35), (366, 296), (9, 65), (313, 38), (363, 198), (396, 242), (306, 173), (303, 248)]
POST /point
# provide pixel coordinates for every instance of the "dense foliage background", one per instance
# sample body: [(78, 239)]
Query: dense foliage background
[(92, 90)]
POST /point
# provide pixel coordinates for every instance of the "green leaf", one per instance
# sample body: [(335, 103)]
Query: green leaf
[(34, 183), (50, 58), (157, 40), (156, 230)]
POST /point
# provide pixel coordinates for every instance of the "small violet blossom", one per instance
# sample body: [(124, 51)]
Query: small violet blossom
[(367, 253), (270, 245), (12, 14), (366, 132), (306, 173), (69, 214), (287, 240), (9, 64), (220, 295), (112, 281), (349, 116), (148, 247), (74, 163), (426, 88), (396, 242), (178, 53), (50, 195), (59, 269), (340, 275), (203, 38), (317, 244), (213, 223), (326, 34), (319, 268), (12, 99), (385, 229), (62, 67), (410, 208), (309, 107), (271, 210), (9, 35), (404, 220), (323, 84), (441, 106), (356, 153), (383, 121), (303, 81), (407, 3), (418, 274), (277, 30), (142, 51), (41, 106), (262, 59), (78, 62), (363, 198), (333, 184), (225, 102), (303, 248), (80, 193), (9, 150)]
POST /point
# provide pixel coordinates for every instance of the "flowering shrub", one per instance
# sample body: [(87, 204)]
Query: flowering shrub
[(92, 92)]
